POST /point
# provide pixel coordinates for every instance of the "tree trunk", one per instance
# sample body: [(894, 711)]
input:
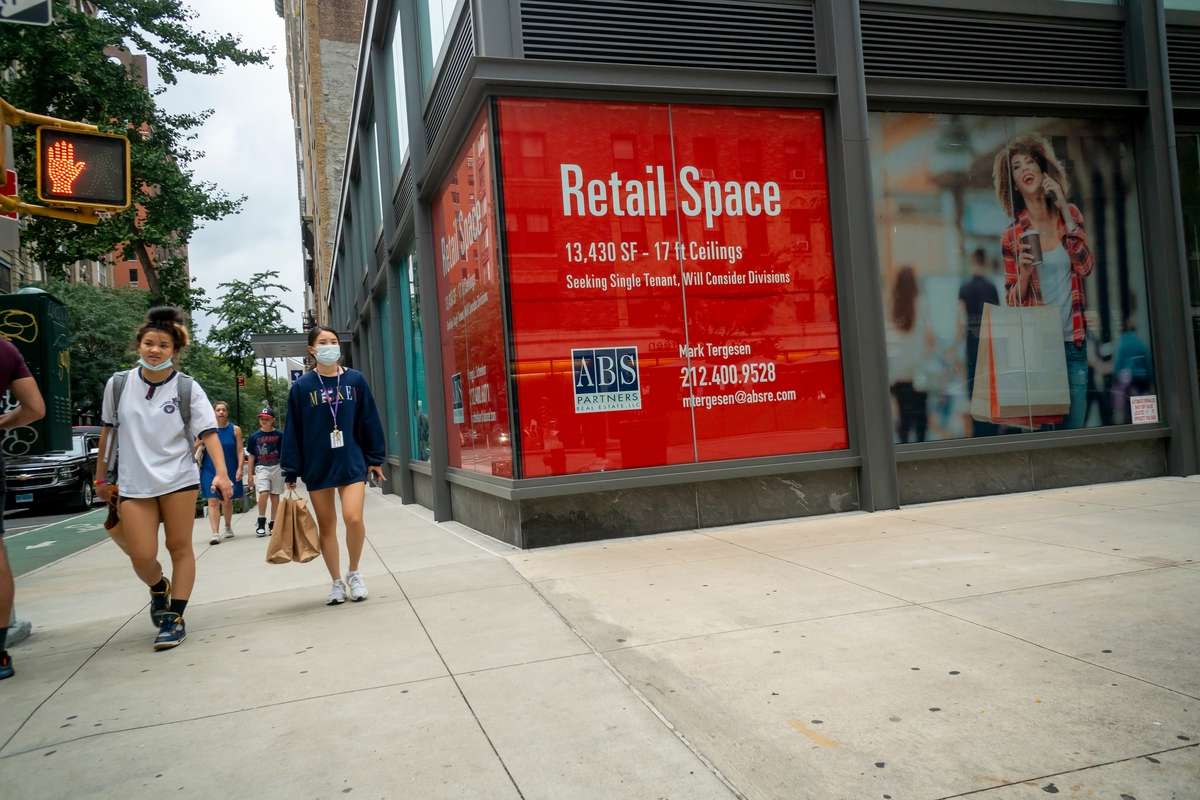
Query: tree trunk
[(143, 255)]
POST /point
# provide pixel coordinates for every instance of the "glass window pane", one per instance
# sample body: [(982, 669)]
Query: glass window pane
[(414, 352), (1182, 5), (1013, 273), (397, 104)]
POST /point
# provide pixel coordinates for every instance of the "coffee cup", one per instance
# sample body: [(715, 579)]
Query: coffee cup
[(1033, 240)]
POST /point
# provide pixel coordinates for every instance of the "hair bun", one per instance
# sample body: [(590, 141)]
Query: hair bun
[(164, 315)]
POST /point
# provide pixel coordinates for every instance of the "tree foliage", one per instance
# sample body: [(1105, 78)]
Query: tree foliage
[(63, 70), (103, 324), (246, 308), (205, 364)]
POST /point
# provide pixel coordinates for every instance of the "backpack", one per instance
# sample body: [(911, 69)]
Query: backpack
[(185, 413)]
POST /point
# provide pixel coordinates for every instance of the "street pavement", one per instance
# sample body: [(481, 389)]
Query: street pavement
[(34, 541), (998, 648)]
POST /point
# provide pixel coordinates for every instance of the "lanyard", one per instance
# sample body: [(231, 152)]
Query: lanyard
[(334, 402)]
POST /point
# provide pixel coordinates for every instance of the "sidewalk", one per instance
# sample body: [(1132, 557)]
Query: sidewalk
[(1008, 647)]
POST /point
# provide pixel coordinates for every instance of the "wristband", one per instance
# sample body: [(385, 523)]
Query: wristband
[(100, 482)]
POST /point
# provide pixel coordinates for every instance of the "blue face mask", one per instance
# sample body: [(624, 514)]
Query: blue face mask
[(328, 354), (154, 367)]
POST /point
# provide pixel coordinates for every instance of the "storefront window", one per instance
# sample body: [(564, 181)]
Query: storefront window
[(671, 282), (1013, 275), (434, 18), (396, 102), (472, 334), (414, 357), (386, 376), (1182, 5)]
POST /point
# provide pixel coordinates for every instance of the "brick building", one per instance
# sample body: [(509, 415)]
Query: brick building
[(322, 57)]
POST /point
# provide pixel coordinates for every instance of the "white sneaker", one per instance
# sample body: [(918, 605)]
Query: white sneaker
[(216, 539), (229, 533), (358, 589), (337, 594)]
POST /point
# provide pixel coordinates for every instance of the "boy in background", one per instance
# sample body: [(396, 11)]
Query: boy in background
[(264, 447)]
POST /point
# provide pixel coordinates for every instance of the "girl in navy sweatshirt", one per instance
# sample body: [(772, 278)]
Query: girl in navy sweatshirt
[(333, 440)]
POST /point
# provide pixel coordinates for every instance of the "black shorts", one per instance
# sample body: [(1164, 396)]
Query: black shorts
[(195, 487)]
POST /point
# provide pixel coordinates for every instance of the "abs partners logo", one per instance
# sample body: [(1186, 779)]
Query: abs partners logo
[(606, 379)]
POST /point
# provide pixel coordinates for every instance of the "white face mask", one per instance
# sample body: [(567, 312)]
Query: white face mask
[(328, 354), (154, 367)]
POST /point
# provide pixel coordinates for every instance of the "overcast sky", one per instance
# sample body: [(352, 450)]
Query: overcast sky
[(249, 150)]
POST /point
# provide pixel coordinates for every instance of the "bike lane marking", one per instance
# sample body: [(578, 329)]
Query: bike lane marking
[(29, 550)]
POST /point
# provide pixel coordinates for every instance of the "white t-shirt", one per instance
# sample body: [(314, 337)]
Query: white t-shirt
[(154, 455)]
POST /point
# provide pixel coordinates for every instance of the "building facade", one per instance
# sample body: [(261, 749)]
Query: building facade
[(625, 267), (322, 57)]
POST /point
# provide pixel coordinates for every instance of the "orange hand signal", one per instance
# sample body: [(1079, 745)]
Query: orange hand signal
[(62, 166)]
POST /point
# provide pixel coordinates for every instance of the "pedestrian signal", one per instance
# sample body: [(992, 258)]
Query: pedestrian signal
[(89, 170)]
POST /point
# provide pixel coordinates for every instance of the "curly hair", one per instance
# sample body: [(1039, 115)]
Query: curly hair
[(168, 320), (1040, 150)]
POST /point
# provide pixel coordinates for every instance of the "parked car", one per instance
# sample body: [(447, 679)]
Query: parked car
[(60, 478)]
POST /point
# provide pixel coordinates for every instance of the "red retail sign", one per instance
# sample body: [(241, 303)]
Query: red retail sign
[(671, 280), (472, 329)]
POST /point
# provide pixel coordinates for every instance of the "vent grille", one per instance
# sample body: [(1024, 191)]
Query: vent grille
[(1183, 56), (718, 34), (982, 47), (402, 205), (458, 55)]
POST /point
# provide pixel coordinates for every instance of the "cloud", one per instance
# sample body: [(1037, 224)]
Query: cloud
[(250, 150)]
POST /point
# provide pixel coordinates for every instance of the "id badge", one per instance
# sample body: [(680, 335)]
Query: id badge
[(335, 439)]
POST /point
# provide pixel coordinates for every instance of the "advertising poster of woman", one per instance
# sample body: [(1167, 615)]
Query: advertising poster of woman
[(1013, 273)]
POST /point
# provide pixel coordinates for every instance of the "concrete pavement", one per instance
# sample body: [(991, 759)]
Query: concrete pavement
[(1005, 647)]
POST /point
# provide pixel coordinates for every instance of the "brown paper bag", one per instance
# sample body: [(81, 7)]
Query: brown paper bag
[(279, 548), (306, 541), (1020, 372)]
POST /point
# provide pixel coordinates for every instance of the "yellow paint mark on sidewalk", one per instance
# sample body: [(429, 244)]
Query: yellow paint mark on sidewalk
[(804, 730)]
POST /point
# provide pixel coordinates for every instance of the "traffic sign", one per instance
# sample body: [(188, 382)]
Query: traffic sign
[(90, 170), (10, 231), (9, 188), (26, 12), (241, 381)]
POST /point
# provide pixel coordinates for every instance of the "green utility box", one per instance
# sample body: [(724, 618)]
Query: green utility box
[(37, 323)]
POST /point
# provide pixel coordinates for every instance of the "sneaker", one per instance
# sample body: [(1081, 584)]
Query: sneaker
[(171, 633), (358, 589), (6, 667), (216, 539), (260, 531), (337, 594), (228, 533), (159, 601)]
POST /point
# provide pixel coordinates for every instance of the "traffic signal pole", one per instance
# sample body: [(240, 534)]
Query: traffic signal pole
[(82, 212)]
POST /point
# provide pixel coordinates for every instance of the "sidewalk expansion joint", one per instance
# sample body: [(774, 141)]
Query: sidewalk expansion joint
[(1075, 771), (453, 678), (216, 715), (643, 699)]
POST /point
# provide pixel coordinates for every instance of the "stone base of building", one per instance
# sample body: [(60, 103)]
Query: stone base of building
[(588, 516)]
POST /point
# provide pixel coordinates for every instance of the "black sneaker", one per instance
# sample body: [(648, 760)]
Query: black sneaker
[(6, 667), (171, 633), (260, 531), (159, 602)]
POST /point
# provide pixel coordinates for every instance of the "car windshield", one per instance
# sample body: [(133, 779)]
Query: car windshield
[(76, 446)]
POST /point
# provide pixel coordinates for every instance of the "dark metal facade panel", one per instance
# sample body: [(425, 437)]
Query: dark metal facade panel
[(458, 55), (1183, 56), (902, 42), (713, 34)]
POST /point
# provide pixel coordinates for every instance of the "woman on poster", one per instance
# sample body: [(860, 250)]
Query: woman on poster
[(1046, 252)]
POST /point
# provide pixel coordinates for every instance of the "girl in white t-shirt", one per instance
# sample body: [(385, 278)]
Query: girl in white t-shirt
[(157, 478)]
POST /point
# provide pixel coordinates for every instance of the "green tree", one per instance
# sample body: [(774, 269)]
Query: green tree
[(103, 324), (246, 308), (64, 70)]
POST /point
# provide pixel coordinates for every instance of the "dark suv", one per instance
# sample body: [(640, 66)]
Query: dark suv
[(57, 478)]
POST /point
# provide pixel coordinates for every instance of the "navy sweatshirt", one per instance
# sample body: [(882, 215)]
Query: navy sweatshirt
[(306, 450)]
